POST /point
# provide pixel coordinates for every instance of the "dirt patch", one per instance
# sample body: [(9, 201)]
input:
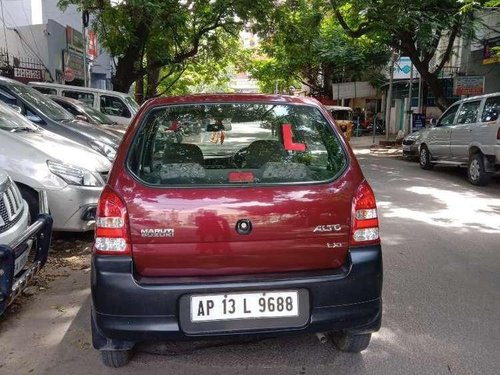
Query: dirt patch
[(68, 252)]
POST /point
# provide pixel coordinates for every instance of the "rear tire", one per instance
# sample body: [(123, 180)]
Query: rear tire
[(115, 358), (350, 342), (425, 158), (31, 198), (476, 173)]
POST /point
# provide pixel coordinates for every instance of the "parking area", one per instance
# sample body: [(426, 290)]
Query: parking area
[(441, 300)]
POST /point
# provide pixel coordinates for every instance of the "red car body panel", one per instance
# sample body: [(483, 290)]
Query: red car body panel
[(284, 217)]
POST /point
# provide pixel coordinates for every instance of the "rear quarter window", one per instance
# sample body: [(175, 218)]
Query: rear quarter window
[(491, 109), (220, 144)]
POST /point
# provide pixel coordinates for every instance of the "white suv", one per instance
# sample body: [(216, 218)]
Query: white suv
[(467, 135)]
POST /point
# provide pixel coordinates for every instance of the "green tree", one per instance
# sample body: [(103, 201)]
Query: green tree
[(423, 30), (304, 44), (209, 71), (145, 36)]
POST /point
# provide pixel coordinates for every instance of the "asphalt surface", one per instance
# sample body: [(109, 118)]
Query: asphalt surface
[(441, 243)]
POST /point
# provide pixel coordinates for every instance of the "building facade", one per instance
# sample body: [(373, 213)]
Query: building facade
[(51, 39)]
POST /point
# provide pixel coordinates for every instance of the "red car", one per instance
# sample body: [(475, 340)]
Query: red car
[(270, 232)]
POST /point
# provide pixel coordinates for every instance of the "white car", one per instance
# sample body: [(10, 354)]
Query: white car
[(120, 107), (466, 135)]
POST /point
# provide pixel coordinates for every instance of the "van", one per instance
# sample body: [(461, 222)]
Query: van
[(258, 222), (120, 107)]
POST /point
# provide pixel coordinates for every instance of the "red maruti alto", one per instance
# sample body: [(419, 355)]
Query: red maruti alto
[(229, 215)]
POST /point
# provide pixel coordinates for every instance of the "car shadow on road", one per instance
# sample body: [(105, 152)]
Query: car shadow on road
[(295, 354)]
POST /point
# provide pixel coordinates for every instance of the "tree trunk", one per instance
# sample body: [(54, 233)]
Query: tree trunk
[(153, 77), (126, 70), (129, 66), (139, 90), (436, 87), (430, 79)]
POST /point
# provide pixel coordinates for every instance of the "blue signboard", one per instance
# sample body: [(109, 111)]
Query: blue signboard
[(418, 121)]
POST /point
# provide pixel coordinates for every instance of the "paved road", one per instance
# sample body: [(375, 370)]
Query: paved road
[(441, 239)]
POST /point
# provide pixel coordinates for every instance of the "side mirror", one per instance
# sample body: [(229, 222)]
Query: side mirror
[(16, 108)]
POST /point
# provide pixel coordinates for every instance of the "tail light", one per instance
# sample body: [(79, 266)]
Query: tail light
[(364, 217), (111, 233)]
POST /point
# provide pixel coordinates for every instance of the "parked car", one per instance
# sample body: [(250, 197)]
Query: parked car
[(263, 233), (17, 238), (49, 115), (120, 107), (72, 175), (466, 135), (89, 114), (411, 144)]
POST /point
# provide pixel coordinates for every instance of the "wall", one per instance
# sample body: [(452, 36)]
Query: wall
[(17, 13), (71, 16), (28, 41), (57, 43)]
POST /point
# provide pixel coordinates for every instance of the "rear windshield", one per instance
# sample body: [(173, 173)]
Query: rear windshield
[(213, 144)]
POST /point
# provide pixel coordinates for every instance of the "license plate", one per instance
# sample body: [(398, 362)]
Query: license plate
[(20, 261), (235, 306)]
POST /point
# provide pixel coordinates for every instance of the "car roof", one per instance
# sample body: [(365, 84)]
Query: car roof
[(79, 88), (9, 81), (229, 98), (65, 99), (478, 97)]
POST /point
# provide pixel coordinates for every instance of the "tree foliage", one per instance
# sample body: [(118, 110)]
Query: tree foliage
[(146, 36), (305, 45), (423, 30)]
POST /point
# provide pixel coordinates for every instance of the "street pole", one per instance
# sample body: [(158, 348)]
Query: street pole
[(409, 99), (388, 103), (84, 25), (419, 93), (85, 68)]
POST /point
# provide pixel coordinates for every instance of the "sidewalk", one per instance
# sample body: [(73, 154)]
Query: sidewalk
[(365, 144)]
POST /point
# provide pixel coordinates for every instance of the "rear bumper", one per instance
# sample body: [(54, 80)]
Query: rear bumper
[(128, 310)]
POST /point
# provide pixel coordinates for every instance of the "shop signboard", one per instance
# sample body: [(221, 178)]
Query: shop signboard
[(91, 45), (26, 75), (74, 61), (74, 40), (73, 56), (418, 121), (403, 68), (468, 85)]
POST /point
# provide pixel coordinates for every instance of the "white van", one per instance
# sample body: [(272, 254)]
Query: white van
[(120, 107)]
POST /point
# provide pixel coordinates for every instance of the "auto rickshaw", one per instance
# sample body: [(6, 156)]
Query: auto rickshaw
[(343, 117)]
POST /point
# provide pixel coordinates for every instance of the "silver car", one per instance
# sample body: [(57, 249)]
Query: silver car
[(71, 174), (466, 135), (17, 239)]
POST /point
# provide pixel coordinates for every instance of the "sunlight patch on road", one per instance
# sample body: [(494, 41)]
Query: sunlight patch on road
[(362, 151), (464, 211)]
